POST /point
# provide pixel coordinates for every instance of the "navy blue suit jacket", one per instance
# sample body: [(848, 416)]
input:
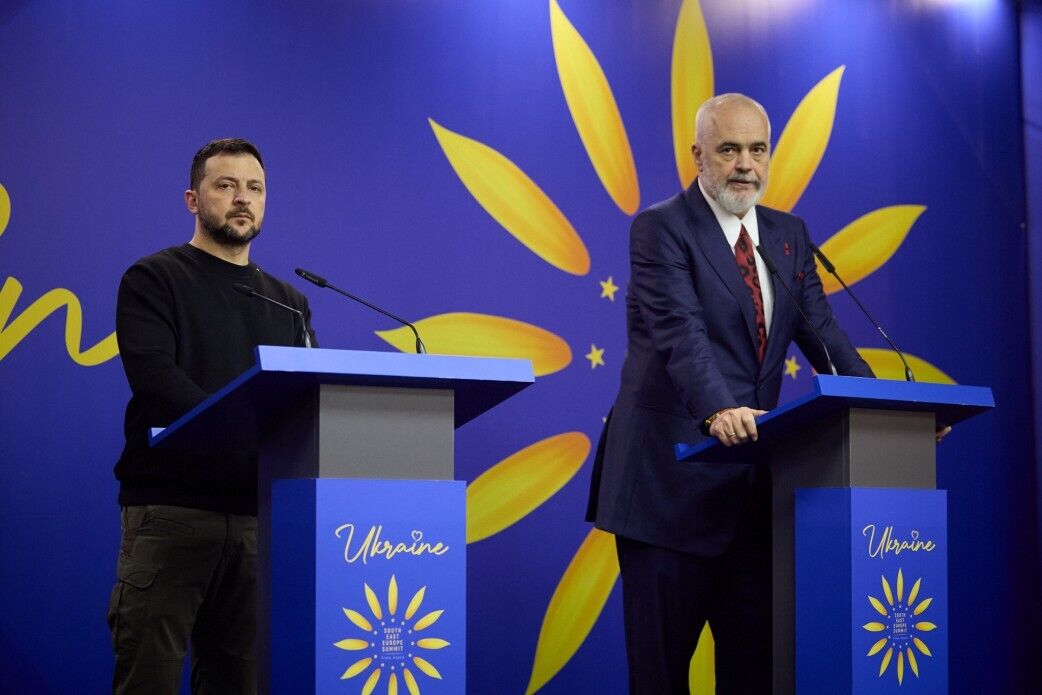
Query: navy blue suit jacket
[(692, 352)]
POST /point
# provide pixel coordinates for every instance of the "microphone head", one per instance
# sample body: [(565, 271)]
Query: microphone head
[(244, 289), (767, 260), (829, 268), (311, 277)]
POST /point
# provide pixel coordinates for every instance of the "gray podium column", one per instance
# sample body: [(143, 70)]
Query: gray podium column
[(337, 431), (854, 448)]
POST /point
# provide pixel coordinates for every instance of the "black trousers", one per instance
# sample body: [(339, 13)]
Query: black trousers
[(668, 596), (185, 575)]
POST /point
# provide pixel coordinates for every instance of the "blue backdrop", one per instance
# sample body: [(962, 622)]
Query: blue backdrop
[(504, 223)]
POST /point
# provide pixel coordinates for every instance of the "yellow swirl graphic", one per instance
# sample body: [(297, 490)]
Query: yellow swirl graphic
[(594, 112), (575, 606), (514, 201), (887, 365), (691, 82), (484, 335), (864, 245), (802, 144), (510, 490), (14, 332), (5, 209)]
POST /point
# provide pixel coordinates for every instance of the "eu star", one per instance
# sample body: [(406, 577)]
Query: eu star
[(608, 289), (792, 366), (596, 356)]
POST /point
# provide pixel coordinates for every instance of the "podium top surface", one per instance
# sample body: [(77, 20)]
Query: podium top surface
[(281, 373), (951, 403)]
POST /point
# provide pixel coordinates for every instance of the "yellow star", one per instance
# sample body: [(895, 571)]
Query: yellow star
[(596, 356), (792, 366), (608, 289)]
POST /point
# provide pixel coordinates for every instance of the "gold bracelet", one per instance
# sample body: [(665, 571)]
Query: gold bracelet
[(714, 416)]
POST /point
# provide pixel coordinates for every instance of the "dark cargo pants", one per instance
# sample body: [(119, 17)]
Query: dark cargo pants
[(185, 574)]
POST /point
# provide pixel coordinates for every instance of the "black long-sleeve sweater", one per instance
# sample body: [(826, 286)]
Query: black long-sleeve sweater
[(183, 333)]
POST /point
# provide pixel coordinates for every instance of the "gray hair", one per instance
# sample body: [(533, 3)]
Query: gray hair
[(713, 103)]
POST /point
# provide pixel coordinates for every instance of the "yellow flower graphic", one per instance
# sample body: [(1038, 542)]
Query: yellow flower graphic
[(519, 205), (900, 628), (391, 643)]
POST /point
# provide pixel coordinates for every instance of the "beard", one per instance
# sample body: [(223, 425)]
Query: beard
[(734, 202), (223, 233)]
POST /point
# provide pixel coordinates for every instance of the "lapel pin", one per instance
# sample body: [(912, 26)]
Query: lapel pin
[(786, 247)]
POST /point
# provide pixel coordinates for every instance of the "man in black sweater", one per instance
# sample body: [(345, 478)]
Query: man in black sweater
[(187, 560)]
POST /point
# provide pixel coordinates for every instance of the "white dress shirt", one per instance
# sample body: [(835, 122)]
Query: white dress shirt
[(732, 226)]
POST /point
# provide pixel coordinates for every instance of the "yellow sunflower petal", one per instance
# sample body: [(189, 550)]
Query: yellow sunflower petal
[(514, 201), (414, 604), (900, 668), (392, 596), (358, 619), (575, 606), (691, 84), (886, 660), (701, 673), (915, 587), (888, 592), (874, 627), (877, 646), (912, 662), (427, 620), (802, 144), (878, 605), (410, 682), (370, 684), (860, 248), (352, 645), (392, 685), (426, 666), (922, 606), (374, 602), (925, 626), (356, 668), (900, 584), (887, 365), (485, 335), (511, 489), (921, 646), (5, 209), (594, 112), (12, 333), (432, 643)]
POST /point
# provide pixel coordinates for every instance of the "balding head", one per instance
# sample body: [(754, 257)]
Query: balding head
[(705, 122), (732, 150)]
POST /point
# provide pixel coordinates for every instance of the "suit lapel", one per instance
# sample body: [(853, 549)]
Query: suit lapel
[(713, 244), (774, 243)]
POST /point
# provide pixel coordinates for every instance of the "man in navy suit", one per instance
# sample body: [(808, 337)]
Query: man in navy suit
[(708, 330)]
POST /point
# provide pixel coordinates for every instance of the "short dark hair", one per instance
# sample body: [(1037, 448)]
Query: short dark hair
[(216, 147)]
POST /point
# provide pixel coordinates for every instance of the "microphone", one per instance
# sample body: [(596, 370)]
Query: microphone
[(774, 271), (832, 271), (321, 282), (250, 292)]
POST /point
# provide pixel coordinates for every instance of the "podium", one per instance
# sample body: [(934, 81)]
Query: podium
[(361, 527), (859, 531)]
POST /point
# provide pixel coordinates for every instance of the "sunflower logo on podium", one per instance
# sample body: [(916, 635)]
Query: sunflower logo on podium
[(901, 628), (392, 644)]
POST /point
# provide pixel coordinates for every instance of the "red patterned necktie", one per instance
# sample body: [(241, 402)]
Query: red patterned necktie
[(746, 258)]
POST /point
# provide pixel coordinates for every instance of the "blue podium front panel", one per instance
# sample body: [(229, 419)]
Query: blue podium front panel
[(368, 586), (871, 591)]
